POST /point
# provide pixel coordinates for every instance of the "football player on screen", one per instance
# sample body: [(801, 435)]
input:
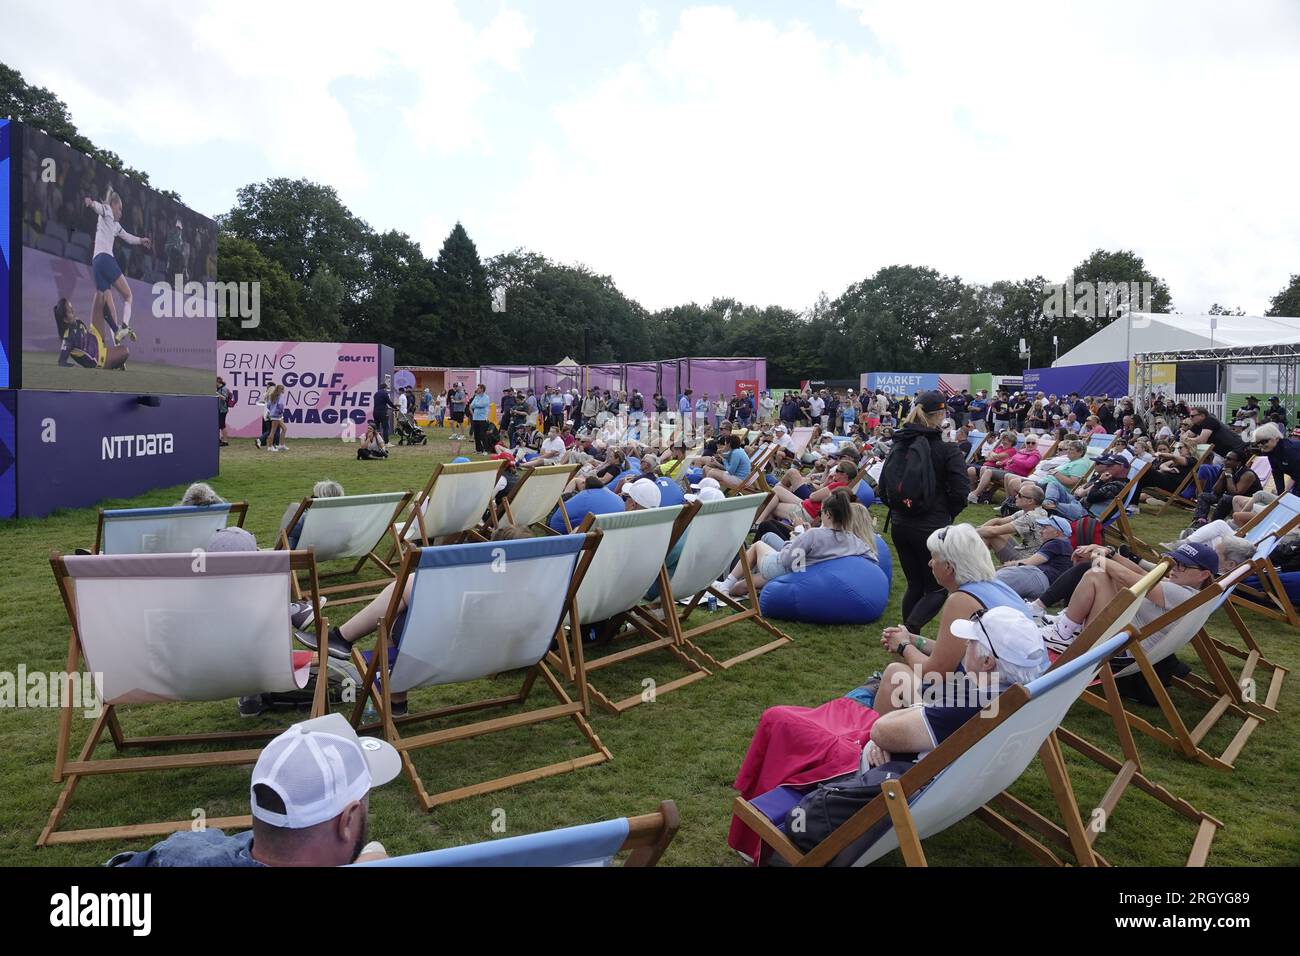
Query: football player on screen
[(83, 345), (108, 274)]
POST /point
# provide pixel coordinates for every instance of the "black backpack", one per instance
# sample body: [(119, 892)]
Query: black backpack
[(907, 482), (827, 806)]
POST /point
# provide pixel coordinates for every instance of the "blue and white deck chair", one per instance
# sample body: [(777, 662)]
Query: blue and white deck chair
[(970, 769), (634, 546), (1114, 517), (1097, 444), (1184, 625), (1270, 598), (715, 533), (473, 611), (183, 628), (452, 505), (592, 844), (977, 442), (1252, 654), (176, 530), (338, 529), (537, 494)]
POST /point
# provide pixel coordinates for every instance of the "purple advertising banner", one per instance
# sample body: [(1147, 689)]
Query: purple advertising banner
[(76, 449)]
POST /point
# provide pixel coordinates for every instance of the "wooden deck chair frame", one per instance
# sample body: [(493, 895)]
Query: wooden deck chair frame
[(644, 838), (378, 669), (753, 483), (414, 529), (977, 447), (69, 771), (239, 508), (1270, 599), (1221, 691), (677, 621), (1114, 517), (637, 621), (522, 487), (366, 589), (800, 436), (896, 794), (1175, 497)]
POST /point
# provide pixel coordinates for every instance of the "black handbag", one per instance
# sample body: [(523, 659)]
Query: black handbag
[(826, 807)]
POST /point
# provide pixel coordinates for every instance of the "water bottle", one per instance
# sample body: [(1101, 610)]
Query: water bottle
[(712, 602)]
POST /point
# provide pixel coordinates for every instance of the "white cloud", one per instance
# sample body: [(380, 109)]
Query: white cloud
[(265, 76), (762, 160), (648, 20)]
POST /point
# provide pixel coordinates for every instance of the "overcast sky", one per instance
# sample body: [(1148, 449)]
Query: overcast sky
[(764, 150)]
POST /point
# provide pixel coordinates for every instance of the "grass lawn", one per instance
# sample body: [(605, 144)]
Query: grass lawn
[(686, 746)]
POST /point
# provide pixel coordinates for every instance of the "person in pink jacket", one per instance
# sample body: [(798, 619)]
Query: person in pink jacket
[(1022, 463)]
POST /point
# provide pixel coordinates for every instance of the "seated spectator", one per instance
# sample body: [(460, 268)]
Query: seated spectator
[(1168, 471), (1030, 577), (1021, 464), (310, 803), (552, 450), (372, 445), (846, 530), (803, 505), (1000, 642), (733, 466), (1059, 480), (1016, 536), (996, 455), (1236, 478), (200, 493), (594, 499), (1109, 476)]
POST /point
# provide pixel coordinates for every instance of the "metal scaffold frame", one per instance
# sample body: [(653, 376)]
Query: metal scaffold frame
[(1285, 357)]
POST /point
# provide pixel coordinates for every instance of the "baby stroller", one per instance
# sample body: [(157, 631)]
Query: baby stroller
[(409, 433)]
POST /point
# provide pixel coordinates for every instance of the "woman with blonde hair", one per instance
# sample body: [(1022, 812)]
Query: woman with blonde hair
[(275, 412)]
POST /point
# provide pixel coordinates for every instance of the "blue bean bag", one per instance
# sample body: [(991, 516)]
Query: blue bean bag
[(694, 475), (1290, 583), (865, 494), (459, 461), (839, 591)]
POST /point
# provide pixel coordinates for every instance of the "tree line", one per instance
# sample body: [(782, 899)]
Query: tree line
[(327, 275)]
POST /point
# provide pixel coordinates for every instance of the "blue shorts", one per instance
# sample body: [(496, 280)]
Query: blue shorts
[(106, 271), (803, 491)]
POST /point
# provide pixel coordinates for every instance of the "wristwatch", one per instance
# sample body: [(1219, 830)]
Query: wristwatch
[(903, 645)]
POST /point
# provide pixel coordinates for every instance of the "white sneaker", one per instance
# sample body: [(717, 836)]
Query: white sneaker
[(280, 448)]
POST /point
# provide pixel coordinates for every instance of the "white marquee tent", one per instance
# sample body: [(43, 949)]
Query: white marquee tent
[(1142, 332)]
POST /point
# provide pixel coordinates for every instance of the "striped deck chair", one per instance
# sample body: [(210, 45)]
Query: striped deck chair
[(537, 494), (963, 775), (338, 529), (476, 610), (715, 533), (176, 530), (175, 627), (977, 442), (1222, 692), (593, 844), (1191, 483), (452, 504), (1270, 599), (634, 546)]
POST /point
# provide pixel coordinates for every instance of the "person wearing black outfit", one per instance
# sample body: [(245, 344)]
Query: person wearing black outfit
[(911, 521), (1283, 455), (383, 406), (1210, 431), (957, 408), (1236, 478)]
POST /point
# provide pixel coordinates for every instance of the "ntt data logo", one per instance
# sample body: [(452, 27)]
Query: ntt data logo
[(135, 446)]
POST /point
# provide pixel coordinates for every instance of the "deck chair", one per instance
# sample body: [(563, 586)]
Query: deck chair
[(633, 548), (1098, 445), (175, 627), (715, 534), (477, 610), (177, 530), (1221, 691), (754, 483), (593, 844), (800, 437), (336, 529), (1279, 518), (452, 504), (1114, 517), (537, 494), (977, 442), (1204, 455), (961, 776)]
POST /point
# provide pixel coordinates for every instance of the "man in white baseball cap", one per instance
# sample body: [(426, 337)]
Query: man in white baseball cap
[(310, 804), (1003, 643), (640, 494)]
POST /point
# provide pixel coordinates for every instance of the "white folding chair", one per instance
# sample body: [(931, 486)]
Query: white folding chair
[(474, 611), (175, 627), (336, 529), (175, 530), (453, 503)]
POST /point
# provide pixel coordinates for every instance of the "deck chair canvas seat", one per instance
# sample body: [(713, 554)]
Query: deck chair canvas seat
[(537, 494), (175, 530), (977, 442), (477, 610), (633, 548), (1114, 518), (715, 534), (452, 504), (1184, 625), (592, 844), (961, 776), (175, 628), (1280, 517), (351, 526), (1191, 481)]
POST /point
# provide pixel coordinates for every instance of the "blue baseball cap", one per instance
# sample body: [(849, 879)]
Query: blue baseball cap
[(1057, 522), (1196, 554), (1110, 460)]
